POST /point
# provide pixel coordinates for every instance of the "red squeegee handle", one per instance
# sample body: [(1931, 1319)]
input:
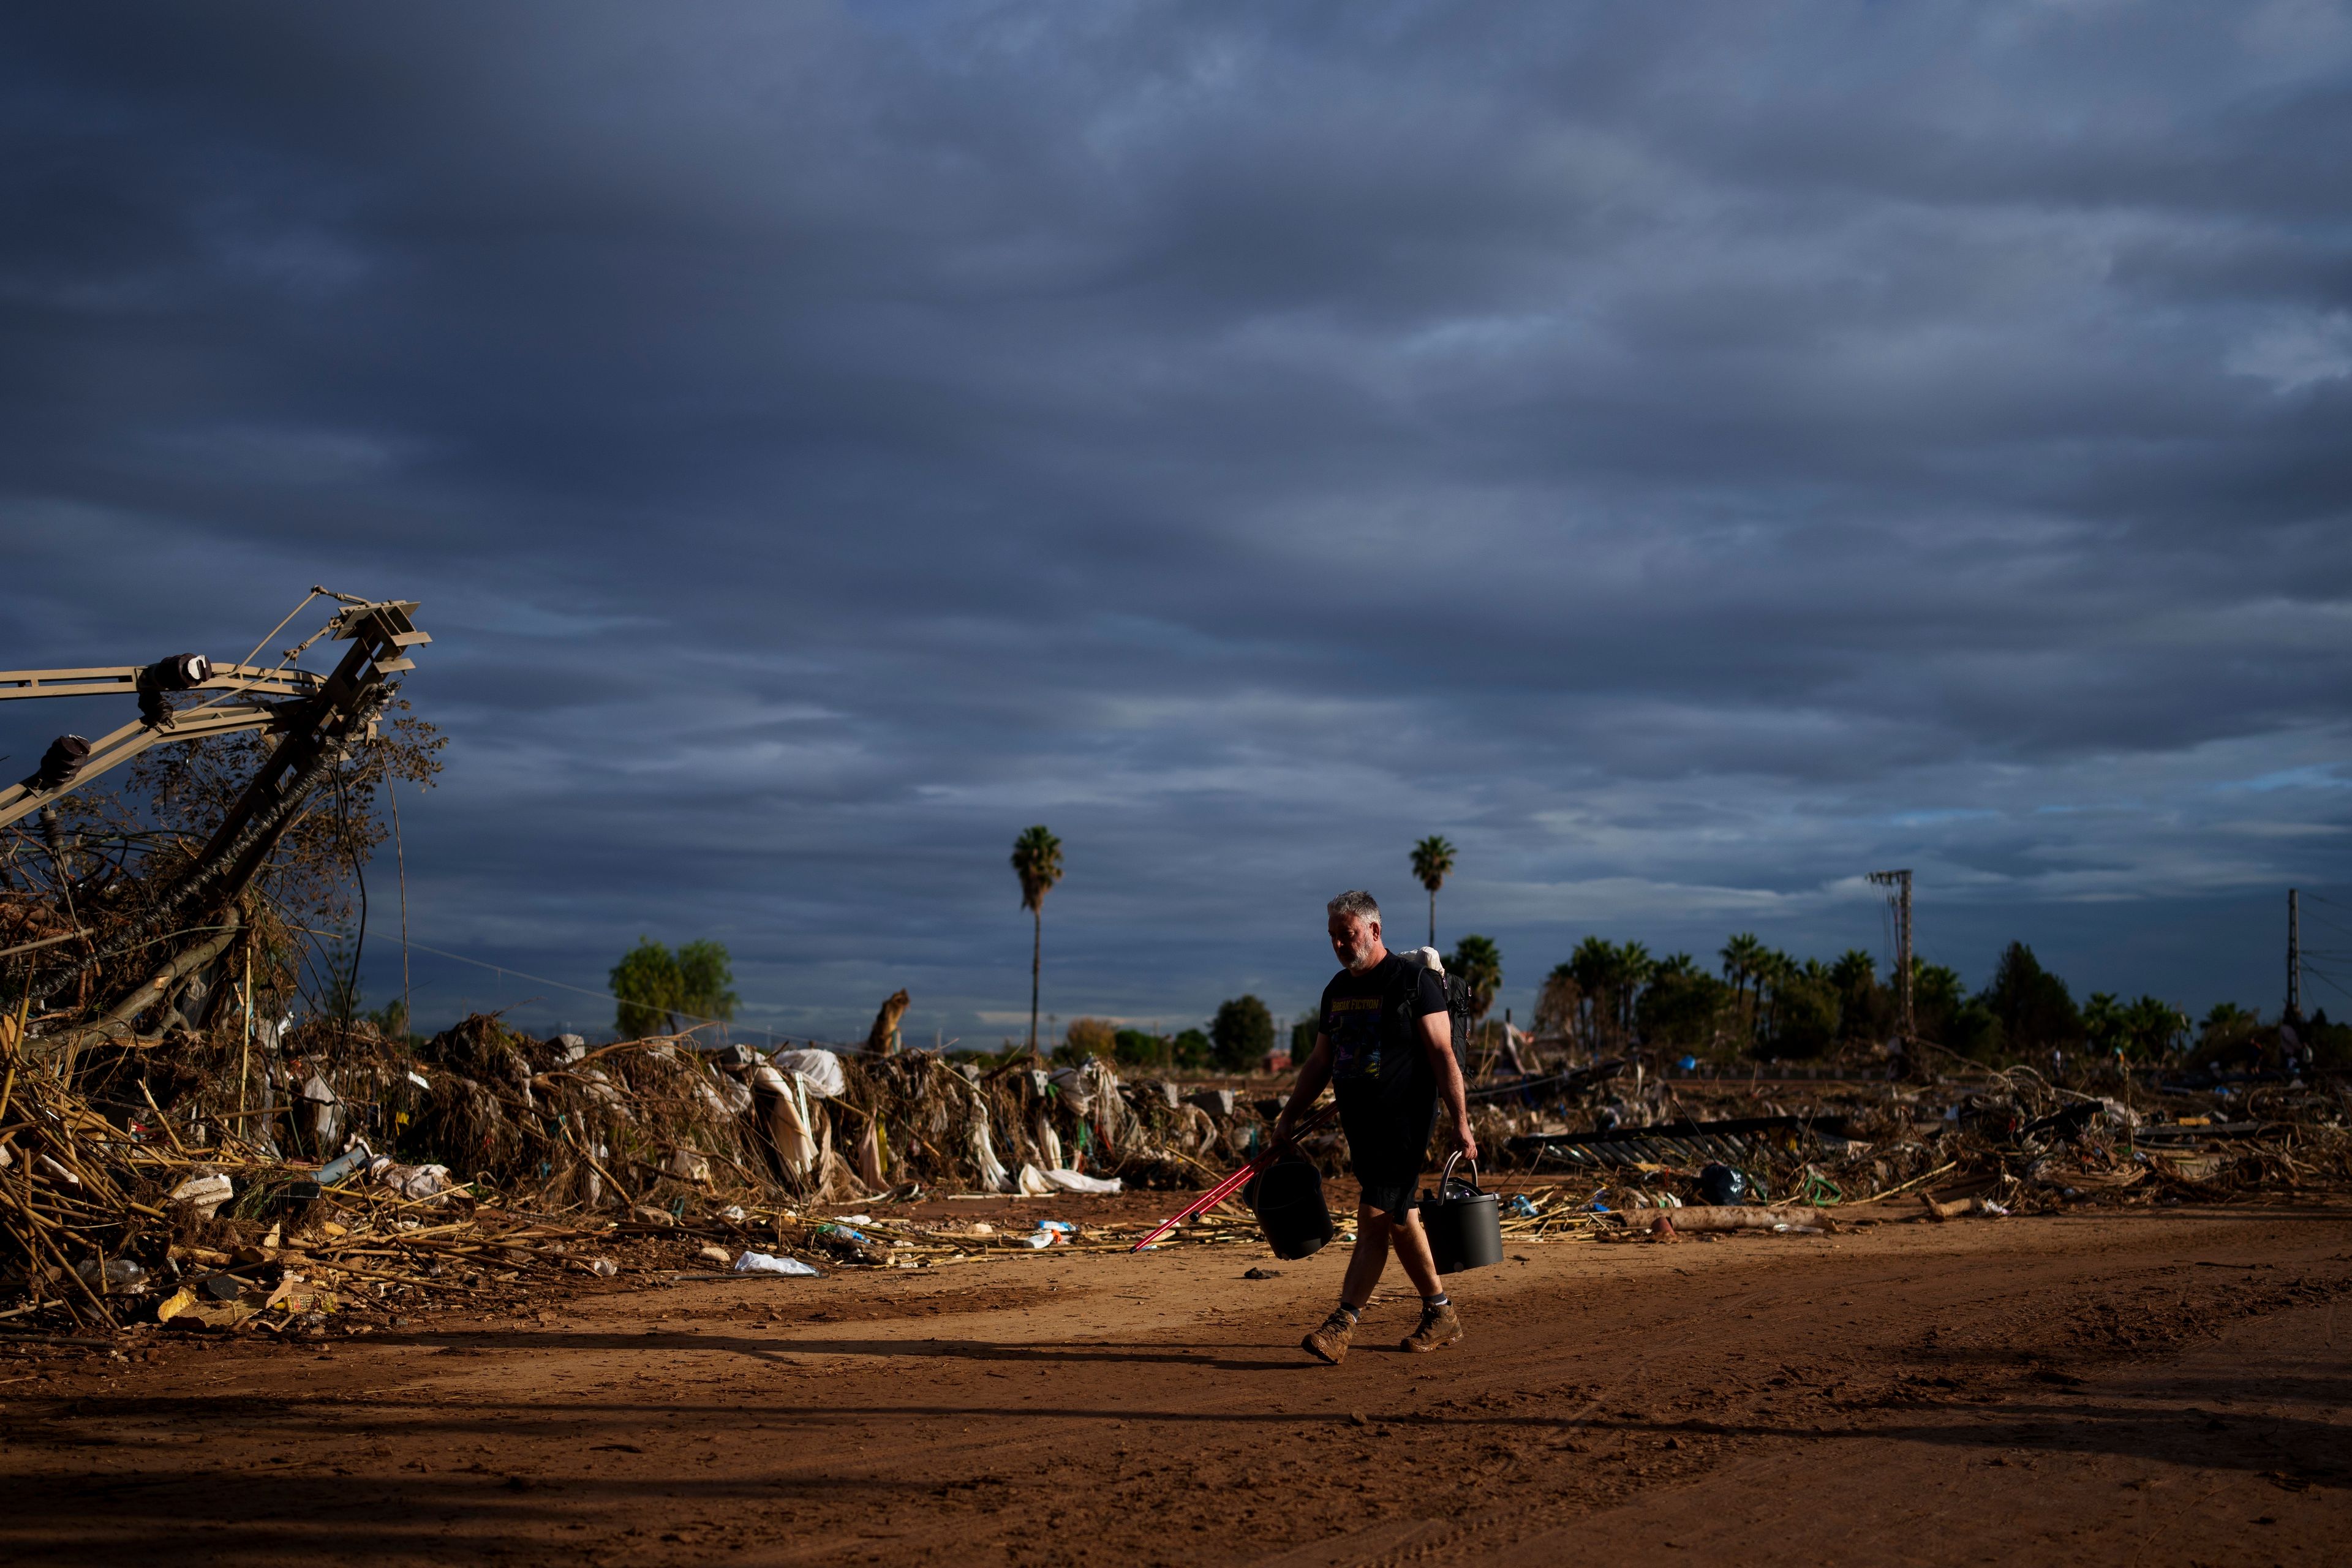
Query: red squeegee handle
[(1238, 1180)]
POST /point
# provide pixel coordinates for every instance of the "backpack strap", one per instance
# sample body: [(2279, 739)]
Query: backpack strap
[(1457, 1008)]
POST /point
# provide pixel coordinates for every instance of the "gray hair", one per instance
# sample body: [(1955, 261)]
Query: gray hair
[(1356, 904)]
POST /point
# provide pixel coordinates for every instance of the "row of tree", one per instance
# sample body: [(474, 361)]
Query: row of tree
[(1608, 995)]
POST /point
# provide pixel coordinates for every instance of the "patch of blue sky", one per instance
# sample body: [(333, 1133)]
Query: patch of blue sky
[(1936, 816), (2312, 775)]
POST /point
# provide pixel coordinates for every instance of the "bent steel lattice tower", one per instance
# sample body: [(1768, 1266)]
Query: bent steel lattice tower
[(314, 719), (1901, 898)]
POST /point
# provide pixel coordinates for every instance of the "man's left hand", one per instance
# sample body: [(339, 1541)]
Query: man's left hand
[(1465, 1141)]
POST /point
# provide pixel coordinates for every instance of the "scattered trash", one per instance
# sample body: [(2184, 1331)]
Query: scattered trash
[(768, 1263), (1694, 1219), (115, 1277), (1720, 1185), (341, 1169), (204, 1194)]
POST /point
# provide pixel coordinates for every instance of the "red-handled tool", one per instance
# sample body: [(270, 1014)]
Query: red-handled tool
[(1239, 1179)]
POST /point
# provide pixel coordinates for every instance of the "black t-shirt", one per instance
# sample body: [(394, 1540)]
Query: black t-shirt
[(1372, 1021)]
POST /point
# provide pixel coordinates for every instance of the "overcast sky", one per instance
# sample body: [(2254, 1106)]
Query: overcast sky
[(1688, 456)]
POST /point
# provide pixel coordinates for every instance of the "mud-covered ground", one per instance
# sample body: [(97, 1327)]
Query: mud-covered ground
[(2144, 1387)]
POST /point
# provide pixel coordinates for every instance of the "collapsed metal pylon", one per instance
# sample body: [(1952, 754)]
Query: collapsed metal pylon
[(314, 719)]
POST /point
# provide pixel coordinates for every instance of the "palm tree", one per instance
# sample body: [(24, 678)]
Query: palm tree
[(1630, 971), (1433, 861), (1741, 956), (1037, 861), (2154, 1028), (1769, 968), (1480, 964)]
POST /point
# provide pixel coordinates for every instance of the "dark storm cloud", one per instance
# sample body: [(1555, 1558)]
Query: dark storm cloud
[(1687, 457)]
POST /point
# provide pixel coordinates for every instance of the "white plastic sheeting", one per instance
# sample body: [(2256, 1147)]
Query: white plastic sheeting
[(1042, 1134), (1038, 1184), (727, 1096), (783, 1109), (769, 1263), (819, 1071), (993, 1176)]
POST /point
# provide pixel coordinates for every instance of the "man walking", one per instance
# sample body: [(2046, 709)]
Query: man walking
[(1385, 1044)]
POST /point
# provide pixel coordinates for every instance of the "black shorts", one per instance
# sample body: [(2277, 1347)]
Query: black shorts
[(1389, 1126)]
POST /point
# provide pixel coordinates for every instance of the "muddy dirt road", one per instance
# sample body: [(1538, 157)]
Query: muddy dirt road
[(2169, 1387)]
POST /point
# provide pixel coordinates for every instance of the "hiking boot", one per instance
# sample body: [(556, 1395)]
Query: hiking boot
[(1439, 1326), (1330, 1340)]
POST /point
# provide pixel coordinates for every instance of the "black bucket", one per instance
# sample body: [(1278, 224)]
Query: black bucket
[(1464, 1226), (1288, 1198)]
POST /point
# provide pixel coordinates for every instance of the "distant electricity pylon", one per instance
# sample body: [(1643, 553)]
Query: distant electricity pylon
[(2295, 957), (1901, 898)]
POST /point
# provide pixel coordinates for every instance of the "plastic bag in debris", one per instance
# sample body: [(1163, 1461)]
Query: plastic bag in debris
[(1721, 1185), (993, 1176), (1037, 1183), (728, 1097), (122, 1276), (1075, 1089), (783, 1109), (819, 1071), (768, 1263), (410, 1181), (326, 1107), (204, 1194)]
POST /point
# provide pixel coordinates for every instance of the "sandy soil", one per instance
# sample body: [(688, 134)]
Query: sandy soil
[(2165, 1387)]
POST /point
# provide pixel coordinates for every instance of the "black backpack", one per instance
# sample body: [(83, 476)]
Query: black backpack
[(1459, 1008)]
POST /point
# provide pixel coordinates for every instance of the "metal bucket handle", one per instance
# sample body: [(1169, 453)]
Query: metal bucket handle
[(1446, 1180)]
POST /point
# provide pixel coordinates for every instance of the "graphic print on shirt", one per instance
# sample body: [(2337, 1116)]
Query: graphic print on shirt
[(1355, 1026)]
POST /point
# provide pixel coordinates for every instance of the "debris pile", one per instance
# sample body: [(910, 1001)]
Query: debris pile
[(204, 1180), (2008, 1143)]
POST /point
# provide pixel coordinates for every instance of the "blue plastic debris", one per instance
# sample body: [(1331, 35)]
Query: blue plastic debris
[(335, 1170)]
